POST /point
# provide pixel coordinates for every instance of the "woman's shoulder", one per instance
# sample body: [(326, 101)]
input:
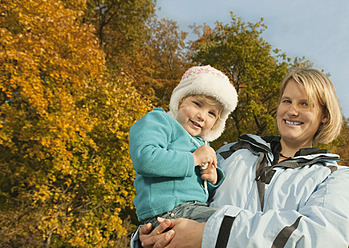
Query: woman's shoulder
[(252, 142)]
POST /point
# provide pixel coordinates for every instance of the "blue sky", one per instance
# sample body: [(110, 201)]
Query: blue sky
[(316, 29)]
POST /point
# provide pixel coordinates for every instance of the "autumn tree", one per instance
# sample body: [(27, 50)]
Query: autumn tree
[(65, 173), (255, 70), (341, 144), (150, 51), (166, 49), (121, 26), (120, 23), (47, 62)]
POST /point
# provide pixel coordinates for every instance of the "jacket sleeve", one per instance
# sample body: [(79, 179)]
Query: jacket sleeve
[(322, 222), (151, 153), (135, 242)]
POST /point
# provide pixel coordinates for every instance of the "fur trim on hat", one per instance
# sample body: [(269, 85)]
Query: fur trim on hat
[(206, 80)]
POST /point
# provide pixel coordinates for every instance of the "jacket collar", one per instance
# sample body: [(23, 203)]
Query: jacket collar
[(271, 145)]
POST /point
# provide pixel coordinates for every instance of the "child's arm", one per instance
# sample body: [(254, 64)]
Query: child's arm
[(149, 142), (210, 174), (205, 156)]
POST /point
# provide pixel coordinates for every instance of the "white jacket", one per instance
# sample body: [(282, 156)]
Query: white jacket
[(305, 199)]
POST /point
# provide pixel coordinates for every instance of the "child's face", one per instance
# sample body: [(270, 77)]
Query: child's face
[(197, 117)]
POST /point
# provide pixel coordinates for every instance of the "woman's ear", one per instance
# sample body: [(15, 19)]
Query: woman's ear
[(325, 114), (324, 119)]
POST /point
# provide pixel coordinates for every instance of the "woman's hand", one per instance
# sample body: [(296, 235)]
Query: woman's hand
[(188, 233), (148, 239), (185, 233)]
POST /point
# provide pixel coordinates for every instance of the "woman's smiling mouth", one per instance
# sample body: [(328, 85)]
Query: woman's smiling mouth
[(297, 123)]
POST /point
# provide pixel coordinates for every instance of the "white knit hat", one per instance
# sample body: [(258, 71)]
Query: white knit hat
[(206, 80)]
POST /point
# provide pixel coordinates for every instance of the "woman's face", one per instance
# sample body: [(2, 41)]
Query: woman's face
[(297, 122)]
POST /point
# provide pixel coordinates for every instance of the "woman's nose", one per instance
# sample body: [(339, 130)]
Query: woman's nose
[(293, 110)]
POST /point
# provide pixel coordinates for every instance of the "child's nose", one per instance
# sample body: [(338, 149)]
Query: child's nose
[(201, 116)]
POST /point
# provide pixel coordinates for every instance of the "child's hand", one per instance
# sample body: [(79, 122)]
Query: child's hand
[(210, 174), (205, 155)]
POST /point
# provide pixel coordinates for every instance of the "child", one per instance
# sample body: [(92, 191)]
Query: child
[(168, 149)]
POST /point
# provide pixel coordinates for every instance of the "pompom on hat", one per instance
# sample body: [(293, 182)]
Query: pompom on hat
[(208, 81)]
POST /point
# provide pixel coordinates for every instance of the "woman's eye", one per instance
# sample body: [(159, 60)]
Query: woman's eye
[(305, 104), (286, 101), (196, 103)]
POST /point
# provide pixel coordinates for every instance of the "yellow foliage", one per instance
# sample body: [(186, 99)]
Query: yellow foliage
[(52, 168), (64, 161)]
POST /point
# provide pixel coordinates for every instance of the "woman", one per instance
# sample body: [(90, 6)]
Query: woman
[(278, 191)]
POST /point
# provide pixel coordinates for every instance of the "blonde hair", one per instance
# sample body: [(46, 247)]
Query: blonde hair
[(210, 100), (319, 90)]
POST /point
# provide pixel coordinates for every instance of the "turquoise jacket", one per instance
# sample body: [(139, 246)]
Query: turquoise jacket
[(161, 151)]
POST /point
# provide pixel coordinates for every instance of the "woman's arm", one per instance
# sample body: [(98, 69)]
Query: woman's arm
[(323, 221), (158, 236), (184, 233)]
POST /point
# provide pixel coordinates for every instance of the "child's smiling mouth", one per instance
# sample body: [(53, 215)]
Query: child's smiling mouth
[(196, 124)]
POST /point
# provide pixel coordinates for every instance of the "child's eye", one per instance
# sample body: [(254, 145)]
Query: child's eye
[(286, 101), (197, 103), (212, 113), (305, 104)]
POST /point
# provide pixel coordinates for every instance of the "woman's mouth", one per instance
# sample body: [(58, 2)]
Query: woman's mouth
[(293, 123)]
